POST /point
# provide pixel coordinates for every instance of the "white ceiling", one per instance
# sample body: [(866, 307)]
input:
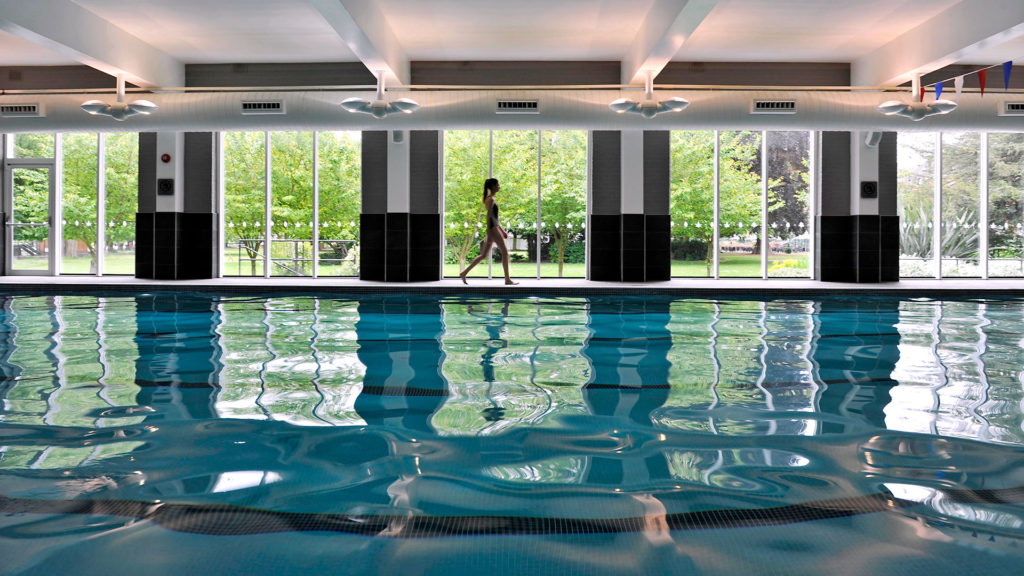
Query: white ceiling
[(517, 30), (251, 31), (227, 31), (802, 30), (15, 51)]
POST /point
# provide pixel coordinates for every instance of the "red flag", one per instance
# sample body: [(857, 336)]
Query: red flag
[(922, 94), (981, 80)]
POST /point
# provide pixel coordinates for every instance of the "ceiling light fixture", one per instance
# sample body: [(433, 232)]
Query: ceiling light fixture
[(380, 107), (916, 111), (119, 110), (650, 107)]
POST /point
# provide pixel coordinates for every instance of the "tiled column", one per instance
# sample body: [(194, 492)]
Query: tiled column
[(629, 223), (400, 224), (176, 226), (858, 230), (604, 226)]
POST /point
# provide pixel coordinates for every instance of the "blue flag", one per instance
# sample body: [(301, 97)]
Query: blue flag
[(938, 90), (1007, 66)]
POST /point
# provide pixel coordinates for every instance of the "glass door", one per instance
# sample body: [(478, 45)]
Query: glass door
[(30, 207)]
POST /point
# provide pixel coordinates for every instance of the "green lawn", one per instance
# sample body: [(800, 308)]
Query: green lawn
[(520, 270), (734, 266), (731, 266), (116, 263)]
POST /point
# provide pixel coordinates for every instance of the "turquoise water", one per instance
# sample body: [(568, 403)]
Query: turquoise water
[(387, 434)]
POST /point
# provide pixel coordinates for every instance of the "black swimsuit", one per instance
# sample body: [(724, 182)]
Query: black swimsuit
[(492, 218)]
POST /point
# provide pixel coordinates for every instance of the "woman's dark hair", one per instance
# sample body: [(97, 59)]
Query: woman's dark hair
[(489, 185)]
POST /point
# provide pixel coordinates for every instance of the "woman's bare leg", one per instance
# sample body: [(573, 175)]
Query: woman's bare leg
[(504, 263), (485, 251)]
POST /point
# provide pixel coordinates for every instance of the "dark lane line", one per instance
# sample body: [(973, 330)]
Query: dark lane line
[(229, 520)]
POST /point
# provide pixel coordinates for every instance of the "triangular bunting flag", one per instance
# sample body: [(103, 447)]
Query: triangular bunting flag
[(1007, 66), (958, 83), (938, 90), (922, 94), (982, 74)]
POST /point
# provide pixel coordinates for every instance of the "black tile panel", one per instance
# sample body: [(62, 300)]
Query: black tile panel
[(197, 243), (835, 173), (887, 174), (656, 171), (200, 172), (606, 172), (374, 172), (147, 172), (371, 247), (144, 224), (424, 176), (165, 242)]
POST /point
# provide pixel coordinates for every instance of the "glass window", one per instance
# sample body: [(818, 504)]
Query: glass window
[(563, 204), (79, 203), (244, 203), (739, 209), (466, 166), (789, 202), (291, 213), (34, 145), (515, 167), (692, 198), (915, 189), (960, 197), (1006, 205), (121, 201), (340, 162)]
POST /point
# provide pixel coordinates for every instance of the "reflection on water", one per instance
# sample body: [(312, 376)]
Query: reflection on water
[(405, 407)]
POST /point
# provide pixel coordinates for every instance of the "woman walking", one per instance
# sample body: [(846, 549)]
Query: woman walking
[(495, 233)]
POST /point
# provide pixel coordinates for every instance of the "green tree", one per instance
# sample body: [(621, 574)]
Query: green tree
[(340, 191), (1006, 195), (79, 192), (466, 166), (245, 192), (122, 187), (563, 188), (292, 202), (692, 186)]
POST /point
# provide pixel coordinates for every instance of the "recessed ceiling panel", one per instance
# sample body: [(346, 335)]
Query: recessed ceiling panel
[(228, 31), (515, 30), (803, 30)]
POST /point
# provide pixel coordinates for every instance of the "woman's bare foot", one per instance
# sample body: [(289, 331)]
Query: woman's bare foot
[(463, 276), (509, 282)]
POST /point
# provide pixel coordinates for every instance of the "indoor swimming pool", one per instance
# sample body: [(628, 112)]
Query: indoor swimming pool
[(192, 433)]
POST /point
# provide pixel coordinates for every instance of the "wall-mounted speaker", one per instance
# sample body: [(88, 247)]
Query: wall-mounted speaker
[(869, 189), (165, 186)]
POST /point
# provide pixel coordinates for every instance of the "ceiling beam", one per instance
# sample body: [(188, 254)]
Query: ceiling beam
[(952, 36), (667, 26), (364, 29), (76, 33)]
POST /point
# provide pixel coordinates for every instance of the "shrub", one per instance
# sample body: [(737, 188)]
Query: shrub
[(689, 249)]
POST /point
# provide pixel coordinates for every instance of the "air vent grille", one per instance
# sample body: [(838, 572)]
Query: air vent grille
[(21, 110), (262, 107), (773, 107), (1012, 109), (518, 107)]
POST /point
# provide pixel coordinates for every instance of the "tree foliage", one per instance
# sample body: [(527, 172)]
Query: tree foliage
[(563, 189), (692, 185), (563, 185)]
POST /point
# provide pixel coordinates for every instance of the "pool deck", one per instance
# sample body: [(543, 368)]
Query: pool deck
[(678, 286)]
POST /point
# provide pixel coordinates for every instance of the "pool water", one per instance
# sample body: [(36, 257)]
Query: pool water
[(415, 434)]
